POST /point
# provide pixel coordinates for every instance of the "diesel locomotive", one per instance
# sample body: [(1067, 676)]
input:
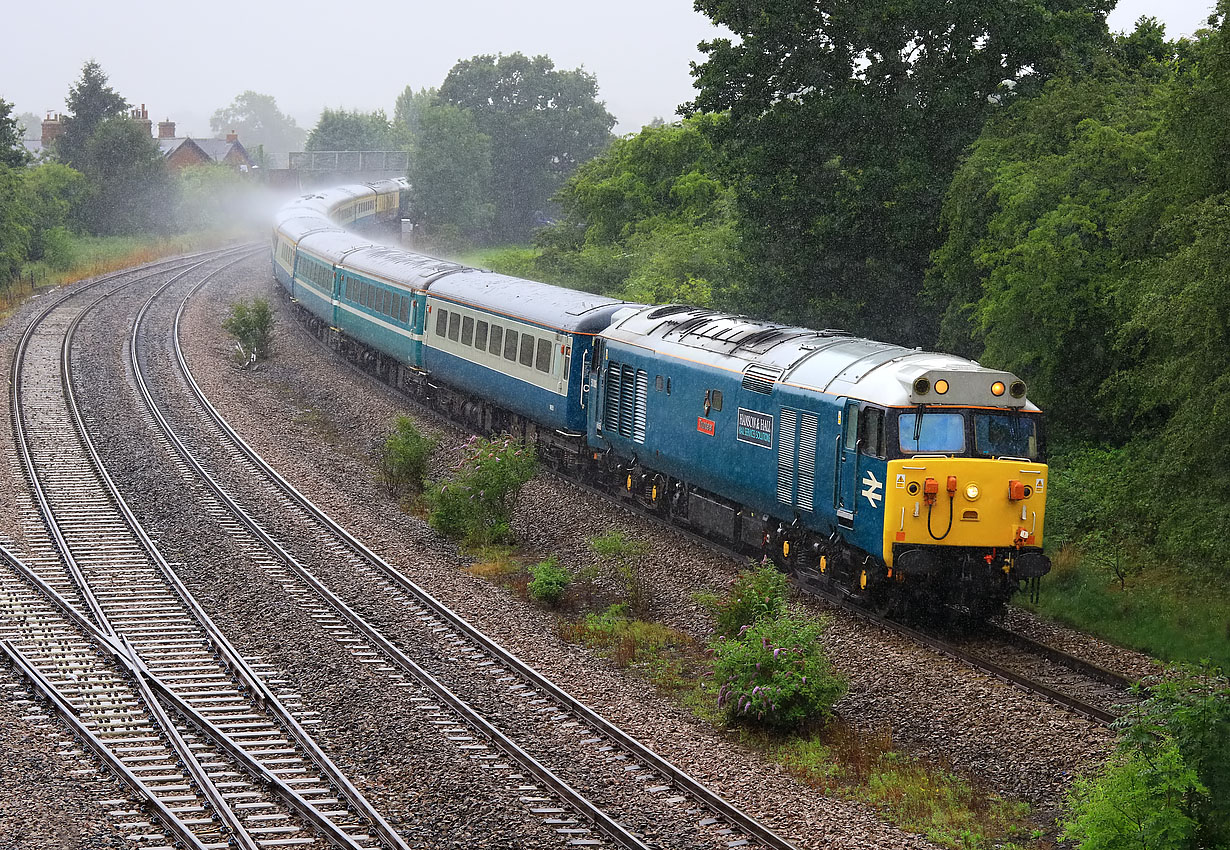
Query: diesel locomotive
[(899, 476)]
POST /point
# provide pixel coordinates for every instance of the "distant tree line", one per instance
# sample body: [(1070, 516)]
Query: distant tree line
[(104, 175)]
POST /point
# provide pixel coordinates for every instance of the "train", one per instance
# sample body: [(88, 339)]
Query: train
[(905, 479)]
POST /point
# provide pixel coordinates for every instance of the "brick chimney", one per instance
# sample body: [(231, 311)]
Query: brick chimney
[(166, 129), (142, 118), (52, 127), (232, 137)]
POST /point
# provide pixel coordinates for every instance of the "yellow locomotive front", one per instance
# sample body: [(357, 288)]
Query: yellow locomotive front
[(965, 500)]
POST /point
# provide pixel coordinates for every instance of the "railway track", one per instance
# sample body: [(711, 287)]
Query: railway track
[(104, 630), (475, 657)]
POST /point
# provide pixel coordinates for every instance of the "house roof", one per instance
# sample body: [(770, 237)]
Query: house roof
[(216, 150)]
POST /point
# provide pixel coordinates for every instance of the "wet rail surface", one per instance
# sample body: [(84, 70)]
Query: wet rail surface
[(100, 626)]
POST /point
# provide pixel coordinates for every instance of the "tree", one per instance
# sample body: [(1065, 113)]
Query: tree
[(14, 225), (52, 193), (340, 130), (90, 102), (542, 123), (450, 175), (408, 110), (649, 219), (13, 153), (257, 120), (132, 192), (847, 120), (31, 125)]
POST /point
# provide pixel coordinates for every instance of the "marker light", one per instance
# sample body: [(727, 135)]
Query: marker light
[(997, 388), (941, 387), (972, 492)]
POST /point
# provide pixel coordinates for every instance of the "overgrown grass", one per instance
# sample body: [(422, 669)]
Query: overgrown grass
[(82, 257), (1163, 611), (917, 796), (515, 260)]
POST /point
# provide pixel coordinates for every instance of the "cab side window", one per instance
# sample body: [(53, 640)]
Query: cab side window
[(873, 431)]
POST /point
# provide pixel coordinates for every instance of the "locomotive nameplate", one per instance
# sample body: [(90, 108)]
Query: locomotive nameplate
[(705, 426), (755, 428)]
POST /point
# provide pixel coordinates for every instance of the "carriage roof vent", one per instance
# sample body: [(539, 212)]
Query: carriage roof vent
[(760, 378)]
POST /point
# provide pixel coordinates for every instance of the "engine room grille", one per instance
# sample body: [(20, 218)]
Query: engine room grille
[(808, 427), (627, 393), (760, 378), (785, 457), (638, 416), (614, 377)]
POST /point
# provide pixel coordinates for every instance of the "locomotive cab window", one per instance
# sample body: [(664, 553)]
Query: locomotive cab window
[(873, 431), (1005, 435), (935, 433)]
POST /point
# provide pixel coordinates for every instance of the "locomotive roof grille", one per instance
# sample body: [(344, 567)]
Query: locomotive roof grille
[(760, 378)]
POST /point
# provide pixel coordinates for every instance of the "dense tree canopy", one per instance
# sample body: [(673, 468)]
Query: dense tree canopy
[(649, 220), (407, 112), (257, 120), (131, 187), (542, 123), (847, 121), (12, 152), (90, 102), (450, 174), (342, 130)]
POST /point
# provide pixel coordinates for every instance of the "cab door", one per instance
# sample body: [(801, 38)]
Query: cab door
[(846, 489)]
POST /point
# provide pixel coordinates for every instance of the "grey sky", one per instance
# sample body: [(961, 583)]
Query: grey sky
[(184, 61)]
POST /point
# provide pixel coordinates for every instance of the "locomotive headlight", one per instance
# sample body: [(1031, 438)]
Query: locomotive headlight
[(997, 388), (971, 491)]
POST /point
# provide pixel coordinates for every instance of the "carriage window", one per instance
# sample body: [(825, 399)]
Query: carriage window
[(480, 335), (441, 322), (873, 432), (467, 330), (405, 309), (510, 345), (454, 326), (497, 340), (542, 360), (527, 350)]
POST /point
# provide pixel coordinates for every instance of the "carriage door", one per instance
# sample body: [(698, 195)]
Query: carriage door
[(846, 490)]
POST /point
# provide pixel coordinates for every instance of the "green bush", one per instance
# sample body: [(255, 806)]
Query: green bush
[(1168, 785), (251, 323), (625, 557), (548, 581), (755, 594), (403, 458), (774, 674), (476, 506)]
